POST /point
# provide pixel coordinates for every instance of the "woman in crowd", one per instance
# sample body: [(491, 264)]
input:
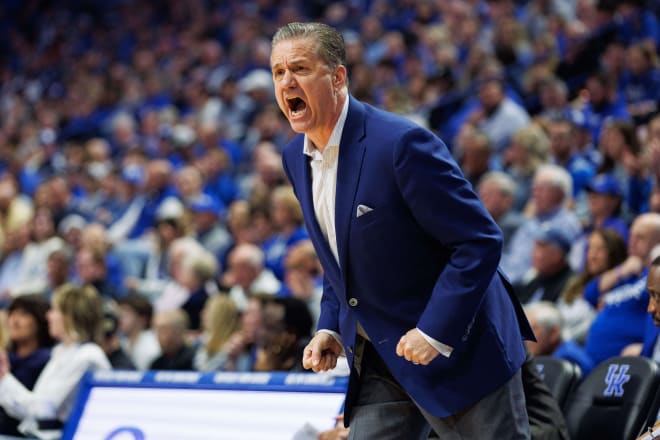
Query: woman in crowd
[(605, 250), (28, 349), (220, 320), (74, 320)]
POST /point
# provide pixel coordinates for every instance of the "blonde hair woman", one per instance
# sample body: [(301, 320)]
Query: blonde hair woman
[(74, 320), (220, 320)]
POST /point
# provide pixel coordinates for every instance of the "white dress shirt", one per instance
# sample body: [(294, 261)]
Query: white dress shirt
[(324, 185)]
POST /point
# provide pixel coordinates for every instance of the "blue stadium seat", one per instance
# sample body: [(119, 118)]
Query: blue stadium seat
[(614, 400), (560, 375)]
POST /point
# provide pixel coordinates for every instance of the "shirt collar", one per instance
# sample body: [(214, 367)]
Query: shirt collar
[(309, 149)]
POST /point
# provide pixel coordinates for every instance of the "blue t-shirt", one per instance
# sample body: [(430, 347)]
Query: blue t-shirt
[(622, 319)]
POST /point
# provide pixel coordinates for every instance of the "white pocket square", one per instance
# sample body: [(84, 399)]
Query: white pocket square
[(362, 210)]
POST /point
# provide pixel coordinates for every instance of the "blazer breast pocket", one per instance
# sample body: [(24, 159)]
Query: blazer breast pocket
[(366, 216)]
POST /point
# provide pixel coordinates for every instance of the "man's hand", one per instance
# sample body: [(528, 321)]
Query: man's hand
[(415, 348), (321, 353)]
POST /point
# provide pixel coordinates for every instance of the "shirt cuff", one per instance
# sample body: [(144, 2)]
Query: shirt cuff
[(444, 350), (335, 335)]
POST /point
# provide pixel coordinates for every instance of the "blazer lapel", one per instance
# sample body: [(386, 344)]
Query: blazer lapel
[(351, 155), (307, 204)]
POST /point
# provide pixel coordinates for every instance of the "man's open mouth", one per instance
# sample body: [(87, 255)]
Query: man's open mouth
[(296, 105)]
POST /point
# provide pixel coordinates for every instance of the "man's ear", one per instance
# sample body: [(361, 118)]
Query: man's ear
[(339, 77)]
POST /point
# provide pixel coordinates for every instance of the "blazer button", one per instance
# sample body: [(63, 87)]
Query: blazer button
[(353, 302)]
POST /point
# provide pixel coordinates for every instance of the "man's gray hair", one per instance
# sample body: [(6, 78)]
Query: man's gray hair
[(545, 313), (558, 177), (330, 42), (502, 180)]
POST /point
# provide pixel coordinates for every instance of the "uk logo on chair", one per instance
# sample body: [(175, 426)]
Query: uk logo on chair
[(617, 376)]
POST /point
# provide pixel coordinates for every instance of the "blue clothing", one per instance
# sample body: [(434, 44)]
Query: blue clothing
[(518, 258), (407, 264), (621, 320), (572, 351), (276, 247), (595, 116), (581, 171), (27, 369)]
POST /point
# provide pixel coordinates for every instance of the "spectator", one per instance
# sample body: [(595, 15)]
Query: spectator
[(285, 331), (545, 319), (15, 209), (498, 116), (605, 198), (603, 103), (74, 320), (303, 277), (287, 221), (565, 153), (32, 275), (16, 240), (473, 152), (92, 270), (59, 269), (220, 320), (620, 296), (651, 346), (496, 190), (29, 347), (605, 249), (528, 150), (170, 327), (137, 338), (549, 264), (147, 262), (193, 280), (246, 274), (623, 158), (551, 191), (640, 82), (111, 344), (208, 227), (241, 346), (95, 236)]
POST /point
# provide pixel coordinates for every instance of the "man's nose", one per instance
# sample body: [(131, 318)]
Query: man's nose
[(288, 79)]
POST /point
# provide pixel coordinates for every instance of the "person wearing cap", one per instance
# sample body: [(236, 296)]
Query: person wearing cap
[(550, 264), (209, 230), (605, 197)]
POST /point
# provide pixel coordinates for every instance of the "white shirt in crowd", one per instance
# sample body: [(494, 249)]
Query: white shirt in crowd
[(55, 390)]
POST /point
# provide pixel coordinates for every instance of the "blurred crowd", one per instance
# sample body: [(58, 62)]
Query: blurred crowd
[(140, 154)]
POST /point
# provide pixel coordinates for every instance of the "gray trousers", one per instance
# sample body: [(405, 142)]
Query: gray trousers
[(384, 411)]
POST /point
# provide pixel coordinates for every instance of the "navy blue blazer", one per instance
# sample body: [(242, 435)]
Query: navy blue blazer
[(425, 256)]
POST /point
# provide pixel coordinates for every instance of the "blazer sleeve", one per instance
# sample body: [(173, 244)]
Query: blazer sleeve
[(329, 317), (445, 206)]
